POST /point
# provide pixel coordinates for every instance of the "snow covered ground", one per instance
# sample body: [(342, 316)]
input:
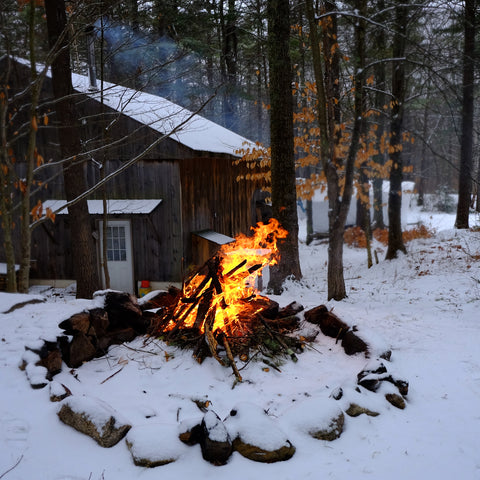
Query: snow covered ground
[(424, 306)]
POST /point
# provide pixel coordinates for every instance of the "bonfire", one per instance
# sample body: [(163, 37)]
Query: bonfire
[(219, 310)]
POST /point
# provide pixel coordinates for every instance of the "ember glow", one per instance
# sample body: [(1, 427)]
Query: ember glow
[(223, 295)]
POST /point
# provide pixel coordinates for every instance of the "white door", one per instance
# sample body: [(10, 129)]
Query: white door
[(119, 255)]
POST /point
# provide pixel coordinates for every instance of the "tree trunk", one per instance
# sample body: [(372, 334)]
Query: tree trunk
[(6, 187), (284, 199), (466, 147), (339, 201), (83, 249), (380, 75), (395, 240), (421, 178)]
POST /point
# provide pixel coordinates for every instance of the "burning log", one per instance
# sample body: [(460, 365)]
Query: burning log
[(220, 310)]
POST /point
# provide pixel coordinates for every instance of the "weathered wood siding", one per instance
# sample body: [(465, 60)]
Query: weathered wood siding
[(213, 199)]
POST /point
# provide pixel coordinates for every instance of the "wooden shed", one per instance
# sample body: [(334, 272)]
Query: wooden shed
[(158, 208)]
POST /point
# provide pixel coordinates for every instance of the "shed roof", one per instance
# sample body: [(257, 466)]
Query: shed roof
[(114, 207), (160, 114), (215, 237)]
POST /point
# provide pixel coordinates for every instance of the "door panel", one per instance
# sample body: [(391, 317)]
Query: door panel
[(119, 255)]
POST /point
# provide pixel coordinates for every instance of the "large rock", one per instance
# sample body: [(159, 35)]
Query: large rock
[(155, 444), (94, 418), (257, 436), (321, 418)]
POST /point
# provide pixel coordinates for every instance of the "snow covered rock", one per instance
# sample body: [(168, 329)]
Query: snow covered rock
[(153, 445), (94, 418), (372, 376), (215, 441), (58, 391), (256, 436), (37, 375), (321, 418)]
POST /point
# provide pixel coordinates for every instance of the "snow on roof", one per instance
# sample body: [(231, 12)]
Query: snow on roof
[(114, 207), (163, 116)]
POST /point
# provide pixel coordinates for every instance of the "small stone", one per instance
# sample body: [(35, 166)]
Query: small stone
[(396, 400), (337, 394), (355, 410)]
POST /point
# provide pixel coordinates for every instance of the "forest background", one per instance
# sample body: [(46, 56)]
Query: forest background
[(398, 81)]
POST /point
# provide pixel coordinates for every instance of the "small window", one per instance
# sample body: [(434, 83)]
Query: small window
[(116, 246)]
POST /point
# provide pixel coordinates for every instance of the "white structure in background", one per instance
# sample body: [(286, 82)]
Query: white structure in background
[(320, 207)]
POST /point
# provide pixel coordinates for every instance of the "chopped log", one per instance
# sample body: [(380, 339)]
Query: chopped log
[(163, 299), (329, 323), (290, 310)]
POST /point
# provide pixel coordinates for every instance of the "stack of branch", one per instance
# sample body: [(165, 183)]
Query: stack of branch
[(259, 324)]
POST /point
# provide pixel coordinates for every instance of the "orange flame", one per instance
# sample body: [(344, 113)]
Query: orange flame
[(222, 297)]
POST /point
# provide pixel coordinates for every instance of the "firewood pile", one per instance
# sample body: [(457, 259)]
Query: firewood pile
[(219, 312), (210, 327)]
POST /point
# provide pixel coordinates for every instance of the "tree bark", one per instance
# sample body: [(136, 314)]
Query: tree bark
[(6, 185), (380, 75), (339, 201), (284, 198), (82, 245), (466, 146), (395, 240)]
